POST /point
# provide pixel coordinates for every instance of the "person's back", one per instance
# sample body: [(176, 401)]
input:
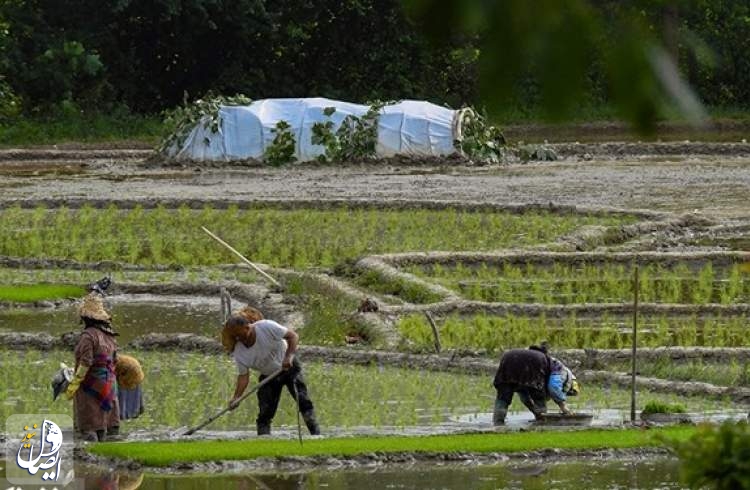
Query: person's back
[(523, 367), (522, 371)]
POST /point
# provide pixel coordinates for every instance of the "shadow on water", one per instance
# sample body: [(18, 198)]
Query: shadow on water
[(642, 473), (133, 316)]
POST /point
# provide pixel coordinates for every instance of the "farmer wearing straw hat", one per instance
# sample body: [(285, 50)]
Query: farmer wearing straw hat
[(94, 386), (266, 346)]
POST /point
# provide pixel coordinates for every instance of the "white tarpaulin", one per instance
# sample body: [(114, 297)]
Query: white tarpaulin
[(409, 127)]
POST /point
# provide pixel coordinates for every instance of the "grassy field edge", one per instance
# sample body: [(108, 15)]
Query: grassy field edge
[(165, 453)]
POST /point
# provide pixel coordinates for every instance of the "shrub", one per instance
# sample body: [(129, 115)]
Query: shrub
[(716, 457)]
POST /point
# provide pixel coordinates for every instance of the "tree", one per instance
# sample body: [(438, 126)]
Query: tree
[(554, 45)]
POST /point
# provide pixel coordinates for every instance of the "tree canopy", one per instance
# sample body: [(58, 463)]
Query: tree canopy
[(648, 58)]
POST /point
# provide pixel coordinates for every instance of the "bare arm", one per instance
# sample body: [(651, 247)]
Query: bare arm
[(292, 341), (242, 381)]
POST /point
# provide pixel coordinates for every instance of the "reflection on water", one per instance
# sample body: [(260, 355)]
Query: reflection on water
[(133, 315), (659, 473)]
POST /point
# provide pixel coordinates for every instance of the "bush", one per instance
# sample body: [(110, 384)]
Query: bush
[(716, 457)]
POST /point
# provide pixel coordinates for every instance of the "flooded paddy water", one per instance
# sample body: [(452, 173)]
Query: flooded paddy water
[(133, 315), (644, 473), (352, 400)]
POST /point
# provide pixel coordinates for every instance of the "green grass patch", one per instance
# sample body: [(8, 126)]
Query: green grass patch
[(81, 128), (39, 292), (311, 237), (166, 453)]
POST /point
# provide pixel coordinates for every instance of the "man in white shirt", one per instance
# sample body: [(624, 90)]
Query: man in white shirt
[(266, 346)]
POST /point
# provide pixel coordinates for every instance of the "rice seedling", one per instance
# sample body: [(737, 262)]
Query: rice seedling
[(730, 373), (186, 388), (39, 292), (589, 283), (312, 237), (68, 277), (401, 288), (166, 453), (658, 406), (487, 333)]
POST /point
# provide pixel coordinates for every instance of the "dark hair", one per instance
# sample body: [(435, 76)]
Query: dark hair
[(235, 321), (542, 347), (90, 322)]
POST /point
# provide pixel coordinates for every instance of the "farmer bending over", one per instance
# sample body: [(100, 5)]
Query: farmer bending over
[(266, 346), (535, 376)]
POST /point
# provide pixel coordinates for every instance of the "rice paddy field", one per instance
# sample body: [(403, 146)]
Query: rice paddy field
[(311, 237), (407, 260), (183, 389), (564, 283)]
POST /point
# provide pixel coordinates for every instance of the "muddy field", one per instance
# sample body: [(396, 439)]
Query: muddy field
[(711, 179)]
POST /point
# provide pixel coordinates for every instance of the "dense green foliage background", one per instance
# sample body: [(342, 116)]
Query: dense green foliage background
[(149, 54), (145, 56)]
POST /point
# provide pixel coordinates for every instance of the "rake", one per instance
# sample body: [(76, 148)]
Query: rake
[(179, 432)]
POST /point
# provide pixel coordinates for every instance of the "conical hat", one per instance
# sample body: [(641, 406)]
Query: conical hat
[(93, 307)]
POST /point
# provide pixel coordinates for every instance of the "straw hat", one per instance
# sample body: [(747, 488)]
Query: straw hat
[(129, 371), (93, 307)]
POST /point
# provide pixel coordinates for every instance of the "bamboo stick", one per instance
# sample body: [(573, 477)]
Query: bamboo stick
[(231, 249)]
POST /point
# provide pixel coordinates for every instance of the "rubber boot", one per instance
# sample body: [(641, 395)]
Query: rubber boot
[(539, 412), (501, 410), (263, 429), (113, 433), (311, 422)]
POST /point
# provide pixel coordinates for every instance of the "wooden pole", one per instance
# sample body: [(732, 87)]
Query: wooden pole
[(636, 289), (226, 304), (435, 331), (227, 409), (241, 257)]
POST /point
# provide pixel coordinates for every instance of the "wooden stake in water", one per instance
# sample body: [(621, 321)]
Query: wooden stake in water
[(435, 332), (636, 288)]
